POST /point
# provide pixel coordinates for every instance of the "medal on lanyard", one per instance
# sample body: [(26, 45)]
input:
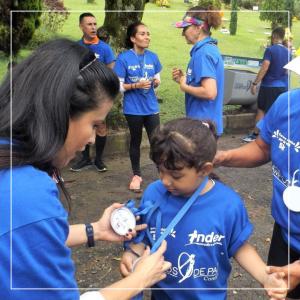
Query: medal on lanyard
[(291, 195), (121, 220)]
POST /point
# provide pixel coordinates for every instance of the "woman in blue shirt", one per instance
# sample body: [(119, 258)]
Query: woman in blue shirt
[(53, 118), (203, 83), (138, 70)]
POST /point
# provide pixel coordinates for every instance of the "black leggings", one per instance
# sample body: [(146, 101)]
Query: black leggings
[(135, 124)]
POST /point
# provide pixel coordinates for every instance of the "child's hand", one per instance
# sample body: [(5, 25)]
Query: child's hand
[(275, 285), (127, 261)]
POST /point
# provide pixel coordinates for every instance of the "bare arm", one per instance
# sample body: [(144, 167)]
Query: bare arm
[(102, 230), (260, 75), (206, 90), (149, 270), (249, 260), (250, 155)]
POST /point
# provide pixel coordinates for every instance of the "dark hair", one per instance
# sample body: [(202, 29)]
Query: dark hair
[(183, 143), (103, 34), (278, 33), (131, 32), (59, 81), (87, 14), (206, 14)]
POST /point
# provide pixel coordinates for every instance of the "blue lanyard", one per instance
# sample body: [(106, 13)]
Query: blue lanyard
[(178, 216)]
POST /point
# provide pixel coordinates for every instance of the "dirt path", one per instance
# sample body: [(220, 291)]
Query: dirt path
[(92, 192)]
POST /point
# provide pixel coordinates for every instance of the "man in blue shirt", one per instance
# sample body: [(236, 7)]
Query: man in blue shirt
[(273, 77), (88, 25)]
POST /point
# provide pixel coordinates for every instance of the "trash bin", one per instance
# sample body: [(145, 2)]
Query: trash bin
[(240, 72)]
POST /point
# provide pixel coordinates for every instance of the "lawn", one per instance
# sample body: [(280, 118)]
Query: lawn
[(170, 46)]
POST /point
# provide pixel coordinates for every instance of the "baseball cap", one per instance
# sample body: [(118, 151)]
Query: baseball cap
[(294, 65)]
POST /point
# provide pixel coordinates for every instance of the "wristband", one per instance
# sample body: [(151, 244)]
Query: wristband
[(254, 83), (90, 235)]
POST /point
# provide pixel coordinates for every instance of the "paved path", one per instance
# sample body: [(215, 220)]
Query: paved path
[(92, 192)]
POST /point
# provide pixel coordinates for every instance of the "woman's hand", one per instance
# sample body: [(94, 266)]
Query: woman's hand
[(253, 89), (152, 267), (144, 84), (103, 230), (177, 75)]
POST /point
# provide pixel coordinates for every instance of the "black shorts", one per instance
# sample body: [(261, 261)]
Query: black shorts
[(267, 96), (278, 256)]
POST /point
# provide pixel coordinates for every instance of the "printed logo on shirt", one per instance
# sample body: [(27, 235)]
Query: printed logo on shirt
[(189, 72), (186, 269), (286, 182), (285, 142), (97, 55), (153, 232), (134, 67), (149, 66), (206, 240)]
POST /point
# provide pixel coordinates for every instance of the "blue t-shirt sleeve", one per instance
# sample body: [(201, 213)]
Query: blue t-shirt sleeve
[(120, 67), (109, 55), (267, 55), (204, 67), (241, 227)]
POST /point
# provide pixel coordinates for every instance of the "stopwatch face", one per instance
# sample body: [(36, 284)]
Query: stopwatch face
[(121, 220)]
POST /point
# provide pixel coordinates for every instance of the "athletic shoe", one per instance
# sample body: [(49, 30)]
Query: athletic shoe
[(100, 166), (81, 165), (135, 184), (250, 137)]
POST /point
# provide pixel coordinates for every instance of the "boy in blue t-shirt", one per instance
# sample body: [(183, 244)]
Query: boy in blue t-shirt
[(214, 229)]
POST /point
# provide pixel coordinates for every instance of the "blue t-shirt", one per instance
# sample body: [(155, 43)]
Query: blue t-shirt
[(102, 51), (131, 67), (201, 244), (276, 76), (35, 221), (284, 145), (206, 62)]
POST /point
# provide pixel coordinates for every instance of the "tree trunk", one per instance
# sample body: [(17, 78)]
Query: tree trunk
[(119, 14)]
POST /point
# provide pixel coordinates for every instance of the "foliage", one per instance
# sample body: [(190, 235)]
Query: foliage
[(121, 14), (161, 3), (247, 4), (233, 17), (52, 21), (275, 12), (23, 23)]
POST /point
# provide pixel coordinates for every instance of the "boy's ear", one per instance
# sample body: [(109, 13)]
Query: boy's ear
[(206, 169)]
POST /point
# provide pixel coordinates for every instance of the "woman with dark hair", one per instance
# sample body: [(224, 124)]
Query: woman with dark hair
[(203, 83), (49, 110), (138, 70)]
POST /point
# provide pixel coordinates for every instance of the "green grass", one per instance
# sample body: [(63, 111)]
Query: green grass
[(171, 47)]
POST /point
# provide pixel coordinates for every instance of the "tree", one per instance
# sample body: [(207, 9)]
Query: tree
[(23, 23), (274, 12), (233, 17), (118, 15)]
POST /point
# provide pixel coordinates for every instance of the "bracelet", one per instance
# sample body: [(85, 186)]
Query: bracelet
[(131, 86), (90, 235), (253, 83)]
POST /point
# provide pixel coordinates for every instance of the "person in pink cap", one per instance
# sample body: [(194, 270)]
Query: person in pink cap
[(203, 83)]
